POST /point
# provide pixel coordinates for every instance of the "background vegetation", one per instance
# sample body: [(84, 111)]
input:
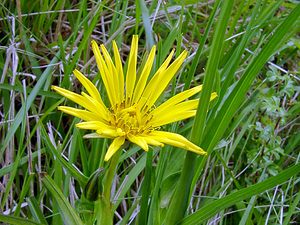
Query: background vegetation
[(246, 50)]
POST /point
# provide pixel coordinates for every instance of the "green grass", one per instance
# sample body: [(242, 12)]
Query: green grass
[(247, 51)]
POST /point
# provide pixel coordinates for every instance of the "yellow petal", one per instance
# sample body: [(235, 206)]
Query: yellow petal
[(176, 99), (213, 96), (140, 141), (82, 114), (70, 95), (120, 74), (144, 76), (177, 141), (85, 101), (163, 67), (74, 97), (110, 133), (178, 112), (89, 86), (165, 78), (174, 109), (98, 108), (110, 65), (169, 113), (106, 76), (114, 146), (171, 118), (118, 85), (131, 70), (154, 81), (93, 125), (151, 141)]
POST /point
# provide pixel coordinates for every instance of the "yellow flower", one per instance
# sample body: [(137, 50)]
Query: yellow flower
[(132, 114)]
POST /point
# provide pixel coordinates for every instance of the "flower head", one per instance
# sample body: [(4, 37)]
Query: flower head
[(132, 114)]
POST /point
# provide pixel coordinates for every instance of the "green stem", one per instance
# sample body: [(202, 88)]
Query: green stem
[(110, 175), (105, 206), (105, 214)]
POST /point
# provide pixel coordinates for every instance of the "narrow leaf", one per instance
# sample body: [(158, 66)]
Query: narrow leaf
[(212, 208), (69, 215), (16, 220)]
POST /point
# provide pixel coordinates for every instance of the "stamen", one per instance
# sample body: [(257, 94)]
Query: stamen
[(129, 120)]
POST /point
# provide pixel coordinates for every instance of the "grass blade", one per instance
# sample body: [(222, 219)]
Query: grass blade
[(17, 220), (180, 199), (237, 96), (76, 174), (35, 210), (69, 215), (216, 206)]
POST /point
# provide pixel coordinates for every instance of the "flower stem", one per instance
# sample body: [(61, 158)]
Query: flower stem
[(105, 203), (104, 214), (110, 175)]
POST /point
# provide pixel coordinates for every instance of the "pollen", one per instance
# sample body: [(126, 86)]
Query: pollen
[(129, 120)]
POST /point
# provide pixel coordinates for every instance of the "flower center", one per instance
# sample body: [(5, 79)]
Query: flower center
[(130, 120)]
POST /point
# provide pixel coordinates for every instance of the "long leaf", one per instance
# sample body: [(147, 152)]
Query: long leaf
[(16, 220), (75, 173), (30, 99), (132, 175), (147, 24), (230, 106), (180, 199), (209, 210), (36, 210), (69, 215)]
